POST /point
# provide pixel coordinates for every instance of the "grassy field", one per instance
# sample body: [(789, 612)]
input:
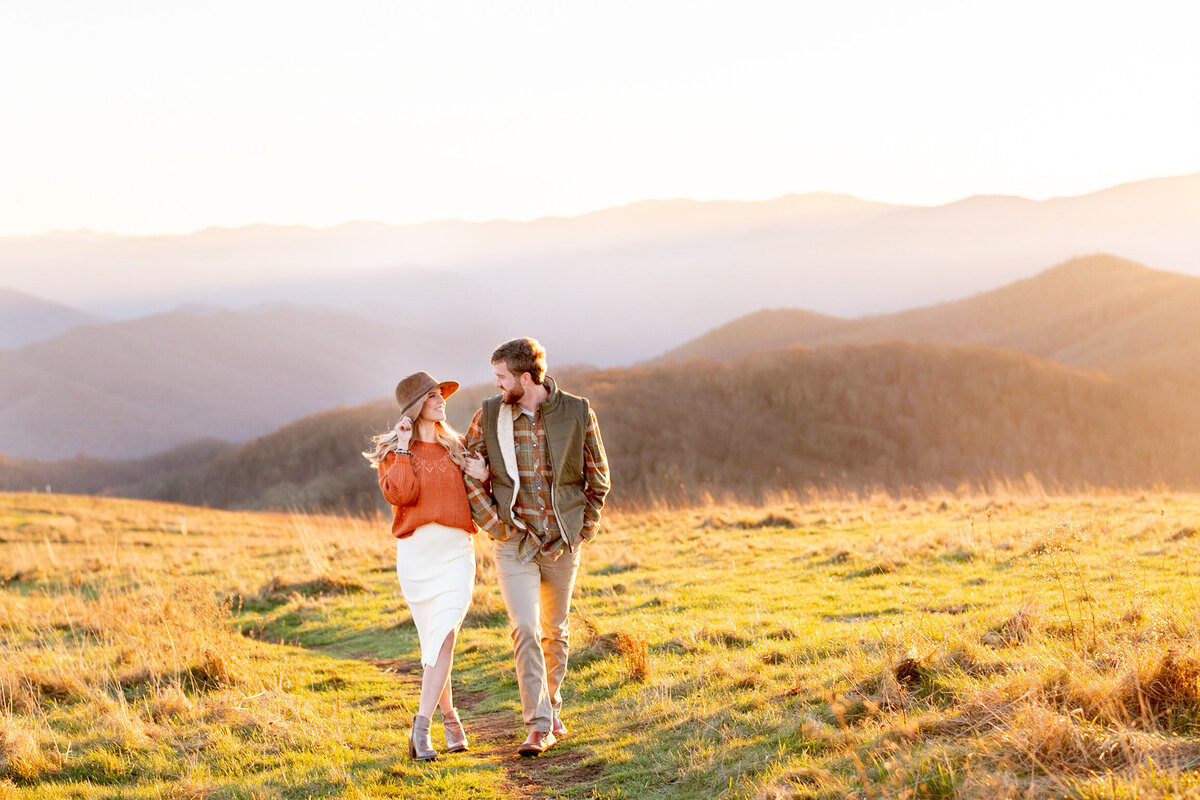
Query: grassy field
[(1014, 645)]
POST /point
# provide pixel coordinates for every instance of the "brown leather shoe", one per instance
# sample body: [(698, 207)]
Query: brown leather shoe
[(536, 743), (557, 728)]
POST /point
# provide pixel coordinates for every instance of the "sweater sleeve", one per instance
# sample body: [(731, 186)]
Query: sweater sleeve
[(483, 506), (398, 480)]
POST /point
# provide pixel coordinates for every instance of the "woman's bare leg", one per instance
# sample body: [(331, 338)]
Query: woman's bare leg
[(446, 700), (436, 679)]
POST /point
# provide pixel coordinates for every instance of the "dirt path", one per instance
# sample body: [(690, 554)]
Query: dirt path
[(494, 736)]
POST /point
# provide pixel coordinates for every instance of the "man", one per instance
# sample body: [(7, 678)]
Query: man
[(549, 477)]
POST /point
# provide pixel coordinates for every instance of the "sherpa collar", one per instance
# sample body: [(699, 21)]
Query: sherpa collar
[(508, 454), (508, 444)]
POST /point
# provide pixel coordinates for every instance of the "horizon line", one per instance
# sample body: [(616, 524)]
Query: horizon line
[(85, 231)]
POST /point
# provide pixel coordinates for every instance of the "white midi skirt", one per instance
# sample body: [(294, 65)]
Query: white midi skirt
[(436, 568)]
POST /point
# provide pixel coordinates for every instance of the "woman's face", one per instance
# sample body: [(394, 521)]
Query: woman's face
[(434, 407)]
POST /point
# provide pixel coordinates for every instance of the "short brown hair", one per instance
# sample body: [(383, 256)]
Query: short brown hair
[(523, 355)]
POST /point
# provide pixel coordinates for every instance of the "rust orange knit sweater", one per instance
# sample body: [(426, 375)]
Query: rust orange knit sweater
[(424, 487)]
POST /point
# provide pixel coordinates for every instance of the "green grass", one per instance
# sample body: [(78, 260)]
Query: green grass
[(961, 646)]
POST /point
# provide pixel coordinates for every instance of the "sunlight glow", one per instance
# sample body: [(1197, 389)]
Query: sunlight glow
[(144, 117)]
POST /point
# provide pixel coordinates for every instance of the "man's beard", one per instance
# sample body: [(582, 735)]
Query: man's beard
[(513, 397)]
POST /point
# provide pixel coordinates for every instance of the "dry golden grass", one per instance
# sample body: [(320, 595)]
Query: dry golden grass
[(104, 638), (630, 645), (1091, 667), (957, 645), (23, 755), (121, 614)]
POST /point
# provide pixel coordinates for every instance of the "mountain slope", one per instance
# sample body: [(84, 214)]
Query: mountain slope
[(86, 475), (648, 275), (890, 415), (133, 388), (1097, 311), (762, 330), (25, 318)]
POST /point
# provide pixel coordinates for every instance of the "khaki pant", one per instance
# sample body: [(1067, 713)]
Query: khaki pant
[(538, 597)]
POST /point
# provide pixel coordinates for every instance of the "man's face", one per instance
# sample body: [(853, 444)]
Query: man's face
[(508, 384)]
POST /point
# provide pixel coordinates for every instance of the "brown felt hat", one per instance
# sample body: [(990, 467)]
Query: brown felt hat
[(413, 390)]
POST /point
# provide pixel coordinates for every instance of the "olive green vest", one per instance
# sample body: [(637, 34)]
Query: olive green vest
[(565, 418)]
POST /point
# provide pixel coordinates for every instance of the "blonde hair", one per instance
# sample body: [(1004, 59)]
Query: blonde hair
[(443, 434)]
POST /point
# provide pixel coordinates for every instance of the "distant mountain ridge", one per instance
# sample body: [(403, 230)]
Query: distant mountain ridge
[(860, 417), (135, 388), (610, 288), (770, 328), (131, 389), (649, 275), (1097, 312), (25, 318)]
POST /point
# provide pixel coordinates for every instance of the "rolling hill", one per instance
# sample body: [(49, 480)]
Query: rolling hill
[(130, 389), (1097, 312), (25, 318), (134, 388), (761, 330), (892, 415), (643, 277), (860, 416), (99, 476)]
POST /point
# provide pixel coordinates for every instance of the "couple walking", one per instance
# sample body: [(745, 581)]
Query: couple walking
[(532, 472)]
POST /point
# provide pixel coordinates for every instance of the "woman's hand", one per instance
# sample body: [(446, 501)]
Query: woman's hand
[(403, 431), (476, 467)]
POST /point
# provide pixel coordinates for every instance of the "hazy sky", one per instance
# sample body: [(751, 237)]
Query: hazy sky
[(147, 117)]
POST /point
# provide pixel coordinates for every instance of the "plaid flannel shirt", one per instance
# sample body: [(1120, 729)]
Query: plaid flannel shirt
[(534, 503)]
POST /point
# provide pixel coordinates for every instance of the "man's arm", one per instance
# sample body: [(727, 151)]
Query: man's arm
[(483, 505), (596, 479)]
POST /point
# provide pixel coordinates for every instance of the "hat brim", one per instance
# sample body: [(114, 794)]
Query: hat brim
[(447, 388)]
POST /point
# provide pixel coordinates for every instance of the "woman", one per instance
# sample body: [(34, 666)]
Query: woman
[(420, 463)]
